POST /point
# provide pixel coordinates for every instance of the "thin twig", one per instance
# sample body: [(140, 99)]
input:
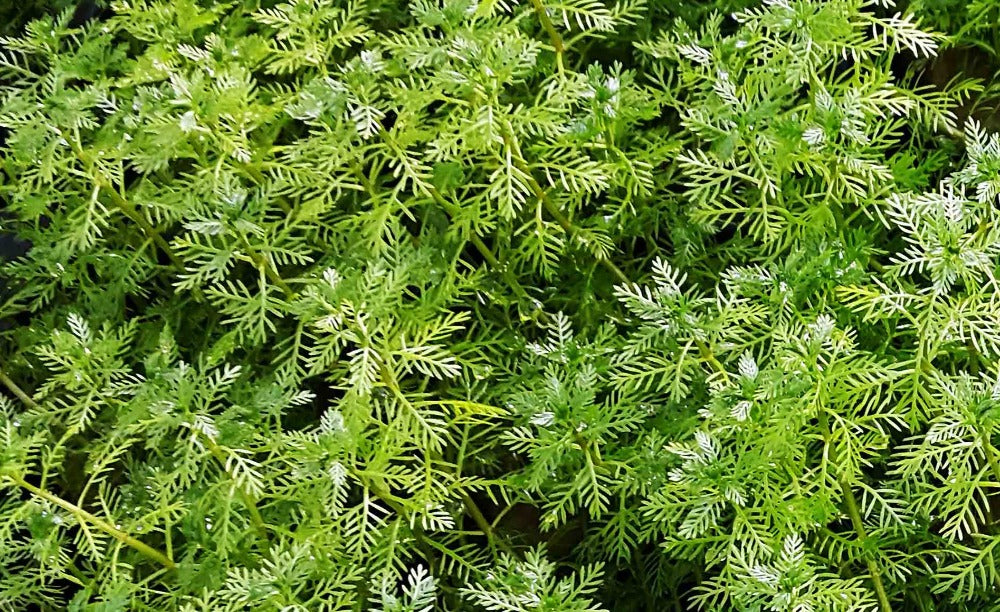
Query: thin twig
[(484, 525), (265, 266)]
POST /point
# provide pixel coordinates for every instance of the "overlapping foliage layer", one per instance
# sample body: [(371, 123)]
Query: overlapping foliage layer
[(504, 305)]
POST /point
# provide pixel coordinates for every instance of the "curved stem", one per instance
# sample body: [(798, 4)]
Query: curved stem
[(86, 517), (873, 570), (711, 359), (484, 525), (124, 205), (991, 458), (854, 514), (556, 213), (249, 500)]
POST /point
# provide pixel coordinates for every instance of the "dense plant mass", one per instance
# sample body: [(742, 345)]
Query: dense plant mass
[(500, 305)]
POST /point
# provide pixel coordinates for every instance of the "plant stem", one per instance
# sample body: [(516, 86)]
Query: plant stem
[(17, 391), (265, 265), (573, 231), (991, 457), (453, 210), (711, 359), (550, 29), (130, 211), (854, 514), (423, 543), (859, 527), (84, 516), (248, 500), (261, 180), (484, 250), (124, 205), (484, 525), (551, 207)]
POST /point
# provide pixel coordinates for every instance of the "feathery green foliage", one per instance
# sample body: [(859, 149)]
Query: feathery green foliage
[(496, 305)]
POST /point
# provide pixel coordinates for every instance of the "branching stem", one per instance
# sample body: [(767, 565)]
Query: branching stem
[(86, 517), (249, 500), (264, 264), (574, 232), (127, 208)]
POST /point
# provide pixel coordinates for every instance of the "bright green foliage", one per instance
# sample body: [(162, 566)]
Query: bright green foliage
[(496, 305), (532, 585)]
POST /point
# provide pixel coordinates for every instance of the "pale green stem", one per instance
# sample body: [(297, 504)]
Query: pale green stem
[(86, 517)]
